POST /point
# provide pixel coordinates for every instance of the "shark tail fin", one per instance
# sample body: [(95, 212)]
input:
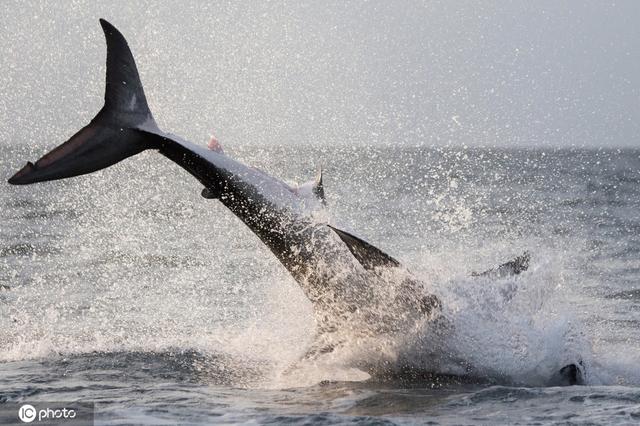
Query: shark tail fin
[(123, 127)]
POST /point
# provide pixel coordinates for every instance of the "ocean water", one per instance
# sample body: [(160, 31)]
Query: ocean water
[(127, 289)]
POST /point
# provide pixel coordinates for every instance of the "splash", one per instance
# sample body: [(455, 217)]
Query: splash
[(104, 265)]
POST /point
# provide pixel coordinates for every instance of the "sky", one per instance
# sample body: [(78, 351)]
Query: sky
[(397, 73)]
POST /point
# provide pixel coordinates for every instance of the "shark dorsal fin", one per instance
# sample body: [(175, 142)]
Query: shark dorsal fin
[(369, 256), (210, 193)]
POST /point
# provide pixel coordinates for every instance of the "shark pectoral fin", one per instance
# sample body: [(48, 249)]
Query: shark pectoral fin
[(370, 257), (513, 267)]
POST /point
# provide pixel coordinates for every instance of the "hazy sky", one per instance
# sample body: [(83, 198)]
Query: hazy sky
[(480, 73)]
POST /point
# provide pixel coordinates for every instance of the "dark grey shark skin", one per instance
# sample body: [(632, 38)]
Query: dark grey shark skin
[(356, 289)]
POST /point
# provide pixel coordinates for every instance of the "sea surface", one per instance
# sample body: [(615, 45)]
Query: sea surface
[(128, 290)]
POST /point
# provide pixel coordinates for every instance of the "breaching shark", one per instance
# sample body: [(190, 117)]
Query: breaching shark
[(355, 288)]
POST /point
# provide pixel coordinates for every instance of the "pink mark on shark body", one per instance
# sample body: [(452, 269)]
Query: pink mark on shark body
[(214, 145)]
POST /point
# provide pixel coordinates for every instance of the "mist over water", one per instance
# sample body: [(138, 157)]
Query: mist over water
[(454, 138)]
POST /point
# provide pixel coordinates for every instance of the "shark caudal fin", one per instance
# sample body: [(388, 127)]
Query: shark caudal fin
[(123, 127)]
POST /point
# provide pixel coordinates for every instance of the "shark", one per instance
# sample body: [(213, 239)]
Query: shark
[(356, 289)]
